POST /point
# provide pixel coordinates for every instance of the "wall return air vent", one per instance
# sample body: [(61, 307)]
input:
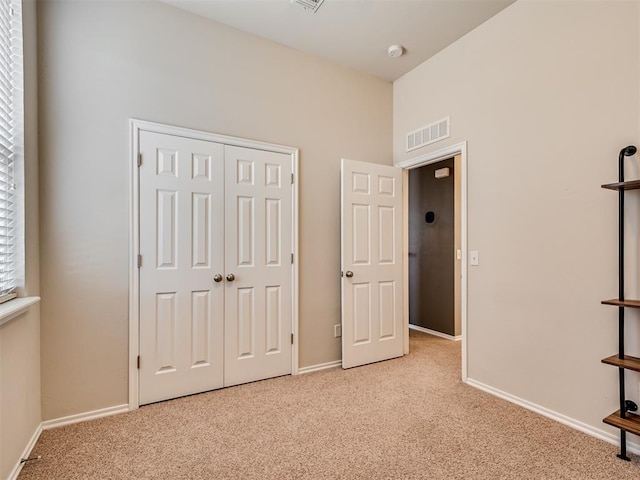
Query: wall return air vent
[(312, 5), (431, 133)]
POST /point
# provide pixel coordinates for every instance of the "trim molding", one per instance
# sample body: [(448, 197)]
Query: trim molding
[(15, 307), (83, 417), (319, 366), (558, 417), (25, 454), (435, 333), (295, 272), (59, 422)]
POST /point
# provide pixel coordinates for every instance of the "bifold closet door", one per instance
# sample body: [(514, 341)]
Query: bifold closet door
[(182, 248), (216, 274), (258, 247)]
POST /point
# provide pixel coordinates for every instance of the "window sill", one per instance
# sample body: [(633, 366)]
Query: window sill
[(11, 309)]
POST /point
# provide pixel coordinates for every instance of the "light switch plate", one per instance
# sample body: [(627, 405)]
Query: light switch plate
[(474, 259)]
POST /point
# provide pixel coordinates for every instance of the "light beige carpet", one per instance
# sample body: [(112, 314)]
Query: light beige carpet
[(409, 418)]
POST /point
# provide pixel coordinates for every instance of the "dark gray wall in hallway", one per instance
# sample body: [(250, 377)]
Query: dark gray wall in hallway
[(431, 248)]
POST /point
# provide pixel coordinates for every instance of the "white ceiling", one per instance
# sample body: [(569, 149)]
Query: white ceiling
[(355, 33)]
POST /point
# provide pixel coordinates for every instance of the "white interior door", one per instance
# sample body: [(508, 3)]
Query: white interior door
[(372, 319), (258, 248), (182, 248)]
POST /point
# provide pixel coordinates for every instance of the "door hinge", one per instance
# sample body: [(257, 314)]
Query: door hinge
[(292, 179), (292, 339), (139, 159), (138, 362), (139, 261), (292, 258)]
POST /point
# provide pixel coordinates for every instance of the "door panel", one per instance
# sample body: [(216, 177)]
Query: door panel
[(245, 233), (273, 340), (181, 307), (387, 296), (361, 234), (246, 322), (361, 313), (200, 354), (165, 326), (371, 250), (167, 233), (201, 228), (258, 245)]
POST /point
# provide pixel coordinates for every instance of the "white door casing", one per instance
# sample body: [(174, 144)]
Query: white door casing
[(372, 264), (258, 250), (182, 246), (426, 159)]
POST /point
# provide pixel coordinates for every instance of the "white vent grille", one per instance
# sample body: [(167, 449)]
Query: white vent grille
[(312, 5), (431, 133)]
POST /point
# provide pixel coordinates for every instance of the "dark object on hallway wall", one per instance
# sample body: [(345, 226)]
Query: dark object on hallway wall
[(430, 217)]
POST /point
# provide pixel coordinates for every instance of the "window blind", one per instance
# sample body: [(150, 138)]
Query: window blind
[(11, 145)]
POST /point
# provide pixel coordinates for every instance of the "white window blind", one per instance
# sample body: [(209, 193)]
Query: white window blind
[(11, 149)]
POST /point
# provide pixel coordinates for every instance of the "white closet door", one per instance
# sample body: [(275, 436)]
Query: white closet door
[(372, 323), (258, 246), (181, 242)]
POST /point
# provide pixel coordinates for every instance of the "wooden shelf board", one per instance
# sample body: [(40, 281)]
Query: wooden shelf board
[(630, 424), (622, 303), (630, 185), (628, 362)]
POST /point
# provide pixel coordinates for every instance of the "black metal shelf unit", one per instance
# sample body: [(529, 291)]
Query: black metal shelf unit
[(623, 418)]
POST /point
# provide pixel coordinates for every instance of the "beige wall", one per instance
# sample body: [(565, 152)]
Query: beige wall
[(20, 386), (102, 63), (546, 94), (20, 413)]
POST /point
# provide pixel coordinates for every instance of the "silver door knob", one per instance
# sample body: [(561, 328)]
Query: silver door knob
[(231, 277), (217, 278), (349, 274)]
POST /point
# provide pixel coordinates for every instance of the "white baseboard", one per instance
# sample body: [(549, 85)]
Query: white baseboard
[(558, 417), (320, 366), (25, 454), (59, 422), (435, 333), (83, 417)]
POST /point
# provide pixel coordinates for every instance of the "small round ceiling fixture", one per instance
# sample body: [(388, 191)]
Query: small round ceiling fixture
[(395, 51)]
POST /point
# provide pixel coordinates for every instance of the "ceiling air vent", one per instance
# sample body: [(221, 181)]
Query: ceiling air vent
[(312, 5), (431, 133)]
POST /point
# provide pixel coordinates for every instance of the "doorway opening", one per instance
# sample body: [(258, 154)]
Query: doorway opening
[(457, 150), (435, 250)]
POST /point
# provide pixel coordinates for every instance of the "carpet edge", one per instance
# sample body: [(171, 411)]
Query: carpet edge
[(553, 415)]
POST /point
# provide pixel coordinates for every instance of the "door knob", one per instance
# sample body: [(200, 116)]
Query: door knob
[(217, 278), (349, 274), (231, 277)]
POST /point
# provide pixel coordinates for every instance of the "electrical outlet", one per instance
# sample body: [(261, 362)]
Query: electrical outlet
[(337, 330)]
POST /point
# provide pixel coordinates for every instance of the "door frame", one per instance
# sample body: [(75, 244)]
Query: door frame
[(420, 161), (137, 126)]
